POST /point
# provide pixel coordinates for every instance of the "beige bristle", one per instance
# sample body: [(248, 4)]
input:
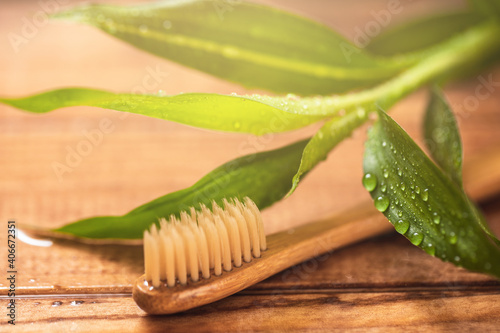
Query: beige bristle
[(201, 243)]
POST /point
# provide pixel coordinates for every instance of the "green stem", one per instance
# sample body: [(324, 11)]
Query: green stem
[(472, 46)]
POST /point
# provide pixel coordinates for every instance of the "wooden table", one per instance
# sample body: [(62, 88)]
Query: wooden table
[(382, 284)]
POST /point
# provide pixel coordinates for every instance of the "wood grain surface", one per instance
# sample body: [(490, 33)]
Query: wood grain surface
[(382, 284)]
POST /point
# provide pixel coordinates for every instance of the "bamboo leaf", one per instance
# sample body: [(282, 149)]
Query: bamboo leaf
[(244, 114), (250, 44), (328, 137), (442, 136), (264, 177), (423, 33), (424, 204)]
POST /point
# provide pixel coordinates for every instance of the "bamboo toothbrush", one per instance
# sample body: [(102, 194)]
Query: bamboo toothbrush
[(229, 249), (192, 245)]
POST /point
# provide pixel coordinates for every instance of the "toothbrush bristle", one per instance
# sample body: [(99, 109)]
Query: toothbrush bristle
[(203, 242)]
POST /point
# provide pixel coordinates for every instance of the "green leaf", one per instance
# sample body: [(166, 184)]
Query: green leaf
[(251, 44), (422, 203), (328, 137), (264, 177), (244, 114), (423, 33), (488, 8), (442, 136)]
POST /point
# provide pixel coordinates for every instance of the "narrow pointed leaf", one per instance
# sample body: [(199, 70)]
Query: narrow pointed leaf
[(250, 44), (422, 203), (328, 137), (422, 34), (244, 114), (442, 136), (264, 177)]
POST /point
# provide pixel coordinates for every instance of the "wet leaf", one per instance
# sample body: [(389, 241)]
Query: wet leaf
[(244, 114), (422, 203)]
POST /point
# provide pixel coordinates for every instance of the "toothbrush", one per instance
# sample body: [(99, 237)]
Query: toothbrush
[(206, 256)]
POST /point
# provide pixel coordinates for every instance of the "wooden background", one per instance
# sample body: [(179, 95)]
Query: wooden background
[(381, 284)]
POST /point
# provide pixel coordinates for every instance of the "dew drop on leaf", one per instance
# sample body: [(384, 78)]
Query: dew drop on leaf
[(386, 173), (453, 238), (430, 249), (417, 189), (425, 194), (403, 186), (436, 218), (381, 203), (369, 181), (416, 238), (402, 226)]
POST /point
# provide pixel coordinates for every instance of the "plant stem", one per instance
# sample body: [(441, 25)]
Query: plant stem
[(472, 46)]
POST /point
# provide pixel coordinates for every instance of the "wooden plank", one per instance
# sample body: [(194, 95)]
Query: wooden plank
[(331, 311)]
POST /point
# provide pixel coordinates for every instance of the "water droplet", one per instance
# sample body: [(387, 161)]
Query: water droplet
[(143, 28), (436, 218), (400, 173), (381, 203), (361, 113), (453, 238), (413, 195), (386, 173), (76, 303), (403, 186), (416, 238), (400, 213), (369, 181), (383, 188), (57, 303), (417, 189), (430, 249), (167, 24), (425, 194), (402, 226), (384, 143), (457, 258)]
